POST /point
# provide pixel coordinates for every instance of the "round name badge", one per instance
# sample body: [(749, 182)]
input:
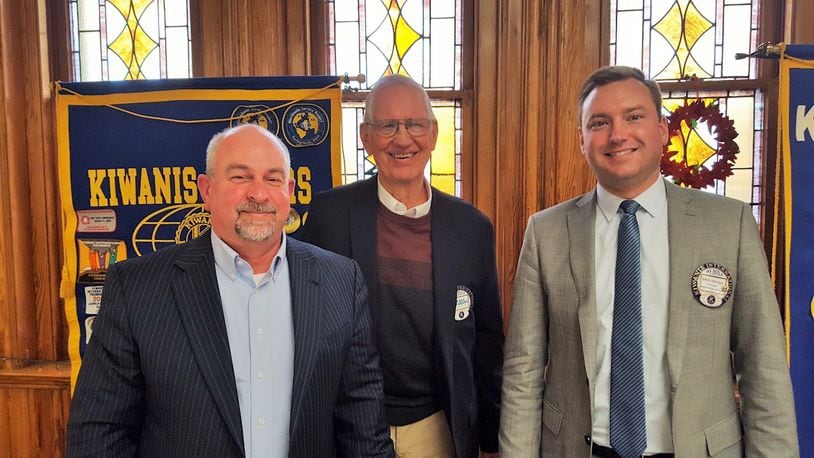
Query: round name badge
[(463, 303), (711, 284)]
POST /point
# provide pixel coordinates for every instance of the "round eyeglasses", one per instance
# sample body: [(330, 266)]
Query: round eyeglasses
[(389, 127)]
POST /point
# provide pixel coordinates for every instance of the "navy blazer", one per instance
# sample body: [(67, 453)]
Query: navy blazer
[(157, 376), (468, 354)]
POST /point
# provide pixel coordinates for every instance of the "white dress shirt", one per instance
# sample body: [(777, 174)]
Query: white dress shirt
[(655, 271), (393, 204)]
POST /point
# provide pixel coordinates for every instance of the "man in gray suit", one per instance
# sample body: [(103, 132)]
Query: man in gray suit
[(705, 316), (242, 342)]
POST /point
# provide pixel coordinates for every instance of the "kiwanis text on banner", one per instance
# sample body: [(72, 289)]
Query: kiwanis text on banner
[(130, 154), (797, 131)]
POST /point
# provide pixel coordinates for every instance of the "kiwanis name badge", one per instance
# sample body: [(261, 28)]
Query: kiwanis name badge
[(711, 284), (463, 303)]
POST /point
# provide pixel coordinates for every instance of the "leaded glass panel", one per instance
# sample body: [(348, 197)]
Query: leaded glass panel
[(421, 39), (744, 108), (130, 39), (672, 40), (684, 44)]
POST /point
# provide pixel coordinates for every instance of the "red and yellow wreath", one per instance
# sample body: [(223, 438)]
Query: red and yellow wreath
[(686, 152)]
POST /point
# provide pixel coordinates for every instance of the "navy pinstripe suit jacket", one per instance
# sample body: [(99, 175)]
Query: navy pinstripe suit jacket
[(157, 377)]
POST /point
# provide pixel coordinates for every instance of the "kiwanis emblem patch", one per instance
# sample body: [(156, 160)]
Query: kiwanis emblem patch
[(168, 226), (261, 115), (305, 124)]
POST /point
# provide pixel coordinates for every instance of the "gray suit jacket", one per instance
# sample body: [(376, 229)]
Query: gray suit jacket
[(550, 363), (157, 376)]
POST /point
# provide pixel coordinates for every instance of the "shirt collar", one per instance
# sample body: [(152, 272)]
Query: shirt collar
[(231, 263), (392, 204), (653, 200)]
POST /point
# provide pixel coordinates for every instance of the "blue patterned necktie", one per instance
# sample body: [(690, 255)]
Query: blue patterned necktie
[(628, 432)]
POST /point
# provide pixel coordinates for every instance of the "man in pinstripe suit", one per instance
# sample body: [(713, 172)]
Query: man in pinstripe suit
[(242, 342)]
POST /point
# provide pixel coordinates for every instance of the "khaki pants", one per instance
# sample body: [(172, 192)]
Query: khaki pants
[(428, 437)]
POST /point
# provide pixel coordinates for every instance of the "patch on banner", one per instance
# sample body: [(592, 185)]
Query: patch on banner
[(262, 115), (463, 303), (305, 124), (711, 284), (96, 256), (103, 220), (93, 299)]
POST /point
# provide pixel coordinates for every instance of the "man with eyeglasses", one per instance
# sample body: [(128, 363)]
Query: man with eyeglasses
[(429, 262)]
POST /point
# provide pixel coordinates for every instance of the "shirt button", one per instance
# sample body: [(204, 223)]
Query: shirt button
[(260, 375), (259, 331), (261, 421)]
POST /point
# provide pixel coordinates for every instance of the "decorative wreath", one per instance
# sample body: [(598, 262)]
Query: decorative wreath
[(723, 129)]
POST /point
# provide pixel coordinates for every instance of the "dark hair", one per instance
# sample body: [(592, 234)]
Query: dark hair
[(613, 74)]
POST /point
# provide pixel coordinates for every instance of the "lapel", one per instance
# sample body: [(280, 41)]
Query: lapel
[(305, 304), (198, 302), (445, 251), (681, 222), (581, 221), (363, 216)]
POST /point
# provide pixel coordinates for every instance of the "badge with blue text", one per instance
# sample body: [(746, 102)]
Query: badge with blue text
[(463, 303), (711, 284)]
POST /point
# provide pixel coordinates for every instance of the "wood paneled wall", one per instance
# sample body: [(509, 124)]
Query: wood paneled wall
[(797, 29), (250, 37), (529, 59), (33, 387)]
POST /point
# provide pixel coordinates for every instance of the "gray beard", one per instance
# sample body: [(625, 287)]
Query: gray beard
[(255, 232)]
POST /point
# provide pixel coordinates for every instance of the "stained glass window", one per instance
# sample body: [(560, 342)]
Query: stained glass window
[(130, 39), (689, 46), (419, 39), (744, 108), (675, 39)]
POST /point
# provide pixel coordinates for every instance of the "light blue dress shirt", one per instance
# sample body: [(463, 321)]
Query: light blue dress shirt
[(260, 328)]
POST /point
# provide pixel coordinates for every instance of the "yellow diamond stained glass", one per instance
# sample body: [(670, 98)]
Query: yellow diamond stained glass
[(133, 44), (682, 26), (400, 33)]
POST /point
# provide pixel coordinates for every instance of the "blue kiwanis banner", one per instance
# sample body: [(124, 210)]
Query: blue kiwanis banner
[(130, 153), (797, 131)]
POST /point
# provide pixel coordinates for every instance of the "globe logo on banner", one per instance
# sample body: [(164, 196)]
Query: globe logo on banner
[(170, 226), (305, 124), (262, 115)]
